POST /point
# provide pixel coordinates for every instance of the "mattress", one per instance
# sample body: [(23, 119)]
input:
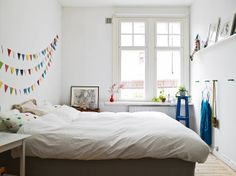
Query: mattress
[(66, 133)]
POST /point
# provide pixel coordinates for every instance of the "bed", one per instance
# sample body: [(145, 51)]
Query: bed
[(68, 142)]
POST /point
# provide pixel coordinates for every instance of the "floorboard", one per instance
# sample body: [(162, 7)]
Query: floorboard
[(213, 167)]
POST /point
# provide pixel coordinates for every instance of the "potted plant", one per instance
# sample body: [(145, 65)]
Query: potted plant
[(160, 98), (182, 91)]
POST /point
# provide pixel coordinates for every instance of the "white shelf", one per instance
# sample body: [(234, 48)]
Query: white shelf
[(228, 39), (140, 103)]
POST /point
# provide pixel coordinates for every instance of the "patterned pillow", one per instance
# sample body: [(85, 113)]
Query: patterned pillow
[(13, 120)]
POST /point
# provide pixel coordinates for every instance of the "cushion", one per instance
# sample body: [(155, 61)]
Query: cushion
[(13, 119), (30, 107), (2, 126)]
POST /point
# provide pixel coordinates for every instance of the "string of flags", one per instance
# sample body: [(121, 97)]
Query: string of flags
[(21, 71), (29, 56), (29, 89), (45, 63)]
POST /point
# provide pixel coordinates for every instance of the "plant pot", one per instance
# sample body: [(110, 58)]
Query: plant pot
[(182, 94), (112, 99), (163, 100)]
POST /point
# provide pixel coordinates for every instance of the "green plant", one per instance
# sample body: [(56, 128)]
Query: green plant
[(160, 98), (182, 91)]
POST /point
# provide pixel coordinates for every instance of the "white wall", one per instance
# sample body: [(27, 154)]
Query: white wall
[(217, 62), (87, 47), (28, 26)]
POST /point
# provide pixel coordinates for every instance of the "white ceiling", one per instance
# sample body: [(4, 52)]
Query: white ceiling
[(95, 3)]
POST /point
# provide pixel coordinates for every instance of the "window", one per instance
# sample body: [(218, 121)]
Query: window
[(149, 56)]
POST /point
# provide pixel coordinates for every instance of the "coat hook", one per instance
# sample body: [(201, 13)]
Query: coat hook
[(231, 80)]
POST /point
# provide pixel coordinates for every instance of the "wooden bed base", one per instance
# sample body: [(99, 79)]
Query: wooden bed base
[(137, 167)]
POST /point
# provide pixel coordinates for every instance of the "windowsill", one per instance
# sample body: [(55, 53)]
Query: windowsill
[(140, 103)]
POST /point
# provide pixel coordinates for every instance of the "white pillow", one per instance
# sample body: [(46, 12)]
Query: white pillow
[(13, 119)]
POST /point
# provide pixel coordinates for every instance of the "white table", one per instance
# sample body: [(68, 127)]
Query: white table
[(10, 141)]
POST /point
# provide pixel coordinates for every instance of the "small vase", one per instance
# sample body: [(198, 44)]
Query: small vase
[(112, 98)]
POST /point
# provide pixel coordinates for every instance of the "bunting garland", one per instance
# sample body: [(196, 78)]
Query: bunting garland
[(29, 89), (28, 71), (45, 63), (30, 56)]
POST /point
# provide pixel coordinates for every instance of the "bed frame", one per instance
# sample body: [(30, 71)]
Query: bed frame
[(138, 167)]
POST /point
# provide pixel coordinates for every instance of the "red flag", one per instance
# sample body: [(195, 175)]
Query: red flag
[(5, 87), (9, 52), (6, 67)]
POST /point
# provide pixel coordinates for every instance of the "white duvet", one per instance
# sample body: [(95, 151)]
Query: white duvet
[(69, 134)]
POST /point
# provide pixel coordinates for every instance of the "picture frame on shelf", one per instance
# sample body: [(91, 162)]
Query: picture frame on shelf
[(213, 33), (85, 97), (233, 28), (225, 30)]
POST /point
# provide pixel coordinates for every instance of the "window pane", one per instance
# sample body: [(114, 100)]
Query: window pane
[(162, 28), (168, 71), (139, 28), (174, 28), (126, 40), (139, 40), (126, 28), (132, 74), (174, 40), (162, 40)]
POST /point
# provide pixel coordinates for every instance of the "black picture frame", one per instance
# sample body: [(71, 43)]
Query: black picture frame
[(84, 97)]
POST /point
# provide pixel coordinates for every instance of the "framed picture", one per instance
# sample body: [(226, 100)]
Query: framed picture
[(213, 33), (85, 97), (233, 28), (225, 30)]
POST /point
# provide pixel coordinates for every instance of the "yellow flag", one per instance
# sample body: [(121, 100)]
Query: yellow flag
[(0, 84), (27, 57), (12, 70)]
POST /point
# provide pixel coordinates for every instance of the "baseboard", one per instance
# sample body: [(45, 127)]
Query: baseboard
[(225, 159)]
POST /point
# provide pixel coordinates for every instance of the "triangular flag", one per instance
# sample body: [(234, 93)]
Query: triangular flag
[(19, 91), (22, 72), (27, 57), (9, 52), (15, 92), (17, 71), (12, 70), (5, 87), (1, 63), (32, 87), (23, 57), (29, 70), (0, 84), (36, 68), (2, 49), (18, 55), (29, 89), (41, 64), (30, 56), (43, 75), (25, 91), (38, 82), (6, 67), (11, 90)]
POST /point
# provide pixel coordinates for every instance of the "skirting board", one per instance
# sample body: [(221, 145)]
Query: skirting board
[(225, 159)]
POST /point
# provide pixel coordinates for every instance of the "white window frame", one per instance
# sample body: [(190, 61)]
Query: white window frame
[(150, 53)]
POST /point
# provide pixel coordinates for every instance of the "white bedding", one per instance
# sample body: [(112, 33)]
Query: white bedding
[(69, 134)]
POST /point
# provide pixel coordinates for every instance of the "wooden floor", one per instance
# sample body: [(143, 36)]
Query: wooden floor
[(213, 167)]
